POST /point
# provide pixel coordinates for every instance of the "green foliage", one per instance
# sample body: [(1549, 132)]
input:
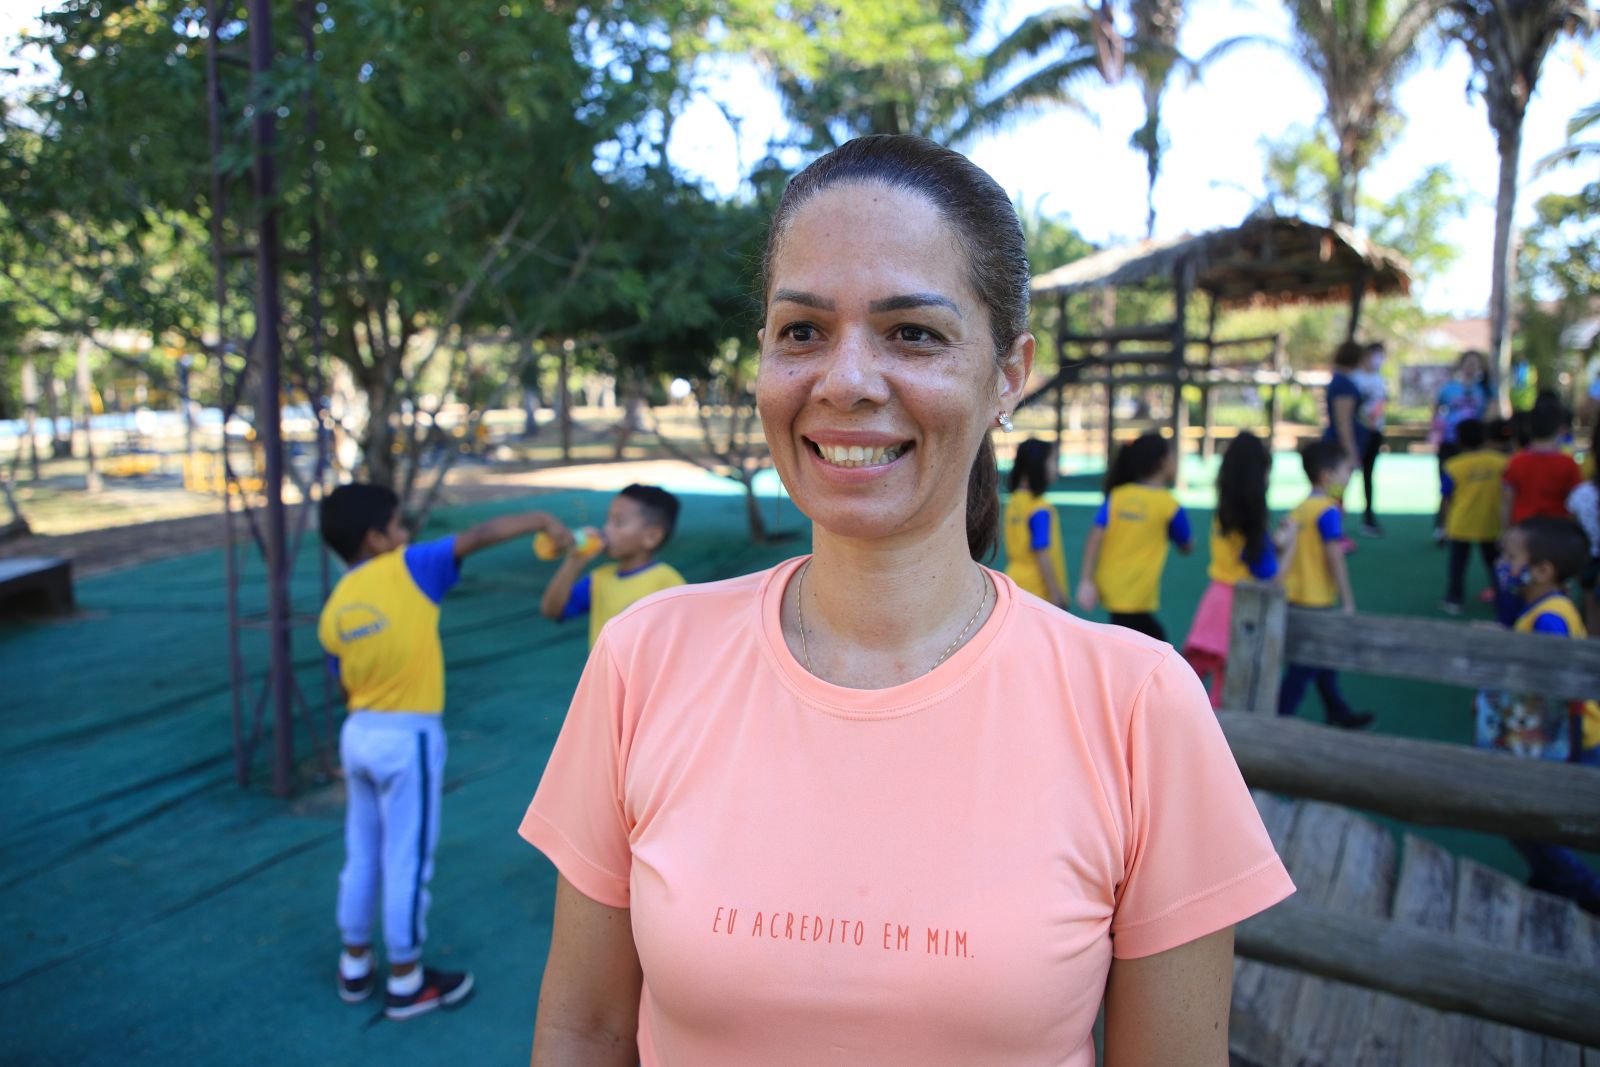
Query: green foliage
[(1558, 278)]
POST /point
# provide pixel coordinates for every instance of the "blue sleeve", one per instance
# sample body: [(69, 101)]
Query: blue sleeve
[(1102, 518), (1447, 484), (434, 567), (333, 668), (1331, 525), (579, 600), (1551, 623), (1265, 568), (1178, 529), (1039, 530)]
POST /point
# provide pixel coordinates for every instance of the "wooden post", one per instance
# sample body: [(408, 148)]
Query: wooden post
[(84, 385), (1111, 417), (1182, 283), (1061, 389), (30, 412), (564, 395), (1208, 444), (1255, 648), (1358, 290)]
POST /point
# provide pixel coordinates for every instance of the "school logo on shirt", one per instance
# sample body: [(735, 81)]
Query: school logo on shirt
[(356, 621)]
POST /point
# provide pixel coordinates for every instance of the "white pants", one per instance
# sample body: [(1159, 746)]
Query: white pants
[(394, 775)]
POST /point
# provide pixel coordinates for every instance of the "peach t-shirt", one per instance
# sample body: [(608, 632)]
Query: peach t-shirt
[(935, 873)]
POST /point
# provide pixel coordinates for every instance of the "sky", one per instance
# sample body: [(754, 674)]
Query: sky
[(1081, 166)]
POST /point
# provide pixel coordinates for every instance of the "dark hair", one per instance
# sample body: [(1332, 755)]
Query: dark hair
[(1242, 493), (350, 511), (1500, 432), (1348, 356), (1483, 363), (1545, 420), (1558, 542), (1137, 460), (985, 223), (1031, 465), (660, 507), (1470, 433), (1320, 457), (1522, 428)]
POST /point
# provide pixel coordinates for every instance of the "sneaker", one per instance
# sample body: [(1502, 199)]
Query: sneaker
[(1352, 720), (355, 990), (1450, 607), (1487, 596), (1371, 529), (439, 989)]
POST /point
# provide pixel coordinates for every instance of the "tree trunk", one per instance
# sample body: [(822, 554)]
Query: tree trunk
[(564, 398), (377, 445), (752, 507), (30, 408), (52, 409), (85, 387), (1504, 267)]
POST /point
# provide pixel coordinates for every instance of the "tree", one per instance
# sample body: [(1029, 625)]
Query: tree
[(1079, 43), (1507, 41), (1558, 278), (1357, 51)]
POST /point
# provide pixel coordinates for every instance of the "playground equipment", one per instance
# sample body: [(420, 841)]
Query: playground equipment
[(1267, 261), (1379, 944)]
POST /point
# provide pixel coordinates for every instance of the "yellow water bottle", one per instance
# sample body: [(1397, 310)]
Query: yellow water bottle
[(586, 542)]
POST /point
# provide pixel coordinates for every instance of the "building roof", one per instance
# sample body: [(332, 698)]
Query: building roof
[(1266, 261)]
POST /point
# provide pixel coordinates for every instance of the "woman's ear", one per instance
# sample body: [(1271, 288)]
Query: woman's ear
[(1015, 367)]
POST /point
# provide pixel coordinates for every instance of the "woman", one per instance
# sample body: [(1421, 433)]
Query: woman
[(1346, 427), (875, 805), (1374, 403), (1035, 557), (1465, 396)]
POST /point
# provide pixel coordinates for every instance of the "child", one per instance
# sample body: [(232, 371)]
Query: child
[(1471, 491), (639, 522), (1540, 555), (1127, 548), (1035, 557), (380, 629), (1539, 478), (1318, 577), (1241, 547), (1584, 505)]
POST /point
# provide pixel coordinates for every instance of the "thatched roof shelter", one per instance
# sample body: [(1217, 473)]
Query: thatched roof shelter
[(1267, 261)]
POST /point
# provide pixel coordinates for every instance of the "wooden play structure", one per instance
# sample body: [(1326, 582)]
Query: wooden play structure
[(37, 584), (1267, 261), (1401, 953)]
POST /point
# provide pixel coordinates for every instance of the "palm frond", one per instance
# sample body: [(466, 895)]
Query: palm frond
[(1069, 25), (1568, 153), (1052, 87)]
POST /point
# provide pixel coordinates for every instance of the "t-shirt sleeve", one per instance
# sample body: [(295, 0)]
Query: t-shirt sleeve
[(434, 567), (1102, 517), (1330, 525), (1265, 568), (333, 668), (1553, 624), (1039, 529), (1197, 858), (1178, 530), (577, 817), (1447, 484), (580, 600), (1594, 388)]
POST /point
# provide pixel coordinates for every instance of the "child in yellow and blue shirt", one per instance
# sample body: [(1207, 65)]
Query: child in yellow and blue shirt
[(1470, 486), (1127, 548), (1538, 557), (1035, 557), (638, 523), (1318, 577), (380, 629)]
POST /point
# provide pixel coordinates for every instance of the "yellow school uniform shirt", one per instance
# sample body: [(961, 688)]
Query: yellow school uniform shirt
[(1138, 522), (1021, 564), (611, 592), (1476, 481), (1560, 607), (1227, 557), (1310, 583), (384, 631)]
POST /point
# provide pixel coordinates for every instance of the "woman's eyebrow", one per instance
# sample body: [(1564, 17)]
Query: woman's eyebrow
[(810, 300), (908, 301)]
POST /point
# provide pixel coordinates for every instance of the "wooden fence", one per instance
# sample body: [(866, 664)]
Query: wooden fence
[(1421, 782)]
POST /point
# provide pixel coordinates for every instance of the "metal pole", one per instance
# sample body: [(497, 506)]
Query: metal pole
[(268, 425)]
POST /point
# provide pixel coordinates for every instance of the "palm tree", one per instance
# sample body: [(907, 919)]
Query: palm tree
[(1574, 150), (1082, 43), (1358, 51), (1507, 41)]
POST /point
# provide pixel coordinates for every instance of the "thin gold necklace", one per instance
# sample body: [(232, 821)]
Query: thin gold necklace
[(805, 646)]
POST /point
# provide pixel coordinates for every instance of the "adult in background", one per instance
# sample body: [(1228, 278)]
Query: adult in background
[(1465, 396), (877, 805), (1373, 412), (1346, 426)]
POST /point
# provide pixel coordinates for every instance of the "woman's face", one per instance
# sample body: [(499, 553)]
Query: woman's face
[(1470, 369), (878, 376)]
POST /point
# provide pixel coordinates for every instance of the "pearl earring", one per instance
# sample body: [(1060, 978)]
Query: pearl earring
[(1005, 422)]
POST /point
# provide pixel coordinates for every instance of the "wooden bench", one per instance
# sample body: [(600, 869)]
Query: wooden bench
[(1407, 955), (36, 584)]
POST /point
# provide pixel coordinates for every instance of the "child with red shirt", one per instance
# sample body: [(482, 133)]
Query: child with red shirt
[(1539, 478)]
